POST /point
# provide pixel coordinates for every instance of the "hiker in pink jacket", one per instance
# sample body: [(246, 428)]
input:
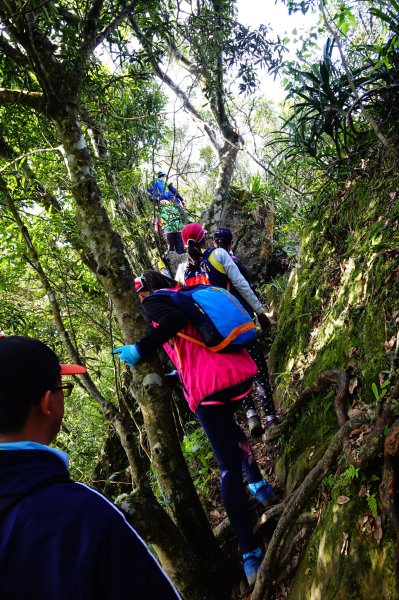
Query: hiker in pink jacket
[(213, 384)]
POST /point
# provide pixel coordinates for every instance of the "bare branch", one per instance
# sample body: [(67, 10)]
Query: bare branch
[(187, 104), (115, 23), (181, 59)]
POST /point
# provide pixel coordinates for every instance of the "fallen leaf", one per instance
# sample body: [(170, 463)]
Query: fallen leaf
[(355, 432), (308, 571), (378, 530), (352, 351), (362, 491), (352, 384), (389, 344), (343, 499)]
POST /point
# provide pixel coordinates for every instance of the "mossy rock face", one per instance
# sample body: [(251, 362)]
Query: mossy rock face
[(302, 448), (252, 224), (338, 307), (339, 311), (343, 563)]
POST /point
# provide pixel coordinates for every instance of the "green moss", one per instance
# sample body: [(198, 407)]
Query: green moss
[(361, 568), (301, 451), (336, 310)]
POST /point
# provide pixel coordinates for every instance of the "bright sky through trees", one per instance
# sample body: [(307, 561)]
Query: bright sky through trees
[(255, 12)]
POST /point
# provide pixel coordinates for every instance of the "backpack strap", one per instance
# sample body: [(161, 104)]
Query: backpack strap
[(209, 256), (233, 334), (8, 502)]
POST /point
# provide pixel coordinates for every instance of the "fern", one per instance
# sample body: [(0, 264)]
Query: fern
[(372, 504), (350, 474)]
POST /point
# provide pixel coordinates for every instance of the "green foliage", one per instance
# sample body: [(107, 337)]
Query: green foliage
[(349, 475), (380, 393), (372, 504), (327, 119), (199, 457)]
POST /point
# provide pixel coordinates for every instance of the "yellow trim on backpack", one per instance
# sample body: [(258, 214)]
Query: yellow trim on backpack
[(218, 266)]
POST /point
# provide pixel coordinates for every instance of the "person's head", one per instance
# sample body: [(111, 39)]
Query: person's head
[(223, 237), (161, 175), (193, 236), (150, 281), (31, 391)]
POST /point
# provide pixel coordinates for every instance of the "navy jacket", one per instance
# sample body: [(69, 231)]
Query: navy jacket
[(64, 541)]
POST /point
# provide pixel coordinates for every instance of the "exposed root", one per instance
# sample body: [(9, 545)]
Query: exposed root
[(295, 506), (389, 485), (341, 380), (277, 430), (289, 548), (372, 448)]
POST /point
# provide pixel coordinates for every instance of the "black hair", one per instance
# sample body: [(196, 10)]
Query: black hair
[(153, 280), (223, 237), (194, 252), (222, 243)]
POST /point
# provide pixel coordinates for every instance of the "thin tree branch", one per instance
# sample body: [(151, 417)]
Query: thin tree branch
[(103, 35), (33, 100), (51, 149), (12, 52), (187, 104)]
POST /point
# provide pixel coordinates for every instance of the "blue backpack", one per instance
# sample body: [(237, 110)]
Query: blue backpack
[(222, 321)]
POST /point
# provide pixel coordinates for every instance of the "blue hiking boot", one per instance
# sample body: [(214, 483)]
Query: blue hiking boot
[(251, 563), (262, 491)]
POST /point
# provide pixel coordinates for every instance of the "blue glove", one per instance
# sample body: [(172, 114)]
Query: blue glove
[(130, 354)]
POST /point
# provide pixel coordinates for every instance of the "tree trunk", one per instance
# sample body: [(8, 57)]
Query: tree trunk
[(227, 157), (115, 277)]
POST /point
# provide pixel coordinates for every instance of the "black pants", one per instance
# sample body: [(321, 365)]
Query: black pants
[(233, 455), (175, 242)]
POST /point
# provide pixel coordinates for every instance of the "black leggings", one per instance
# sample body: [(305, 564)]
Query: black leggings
[(233, 454)]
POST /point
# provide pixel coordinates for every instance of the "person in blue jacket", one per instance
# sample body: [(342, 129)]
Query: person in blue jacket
[(59, 540), (161, 189)]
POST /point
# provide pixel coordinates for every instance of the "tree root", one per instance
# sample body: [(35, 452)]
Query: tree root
[(389, 485), (278, 430), (373, 446), (389, 488), (289, 548), (295, 505), (341, 380)]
